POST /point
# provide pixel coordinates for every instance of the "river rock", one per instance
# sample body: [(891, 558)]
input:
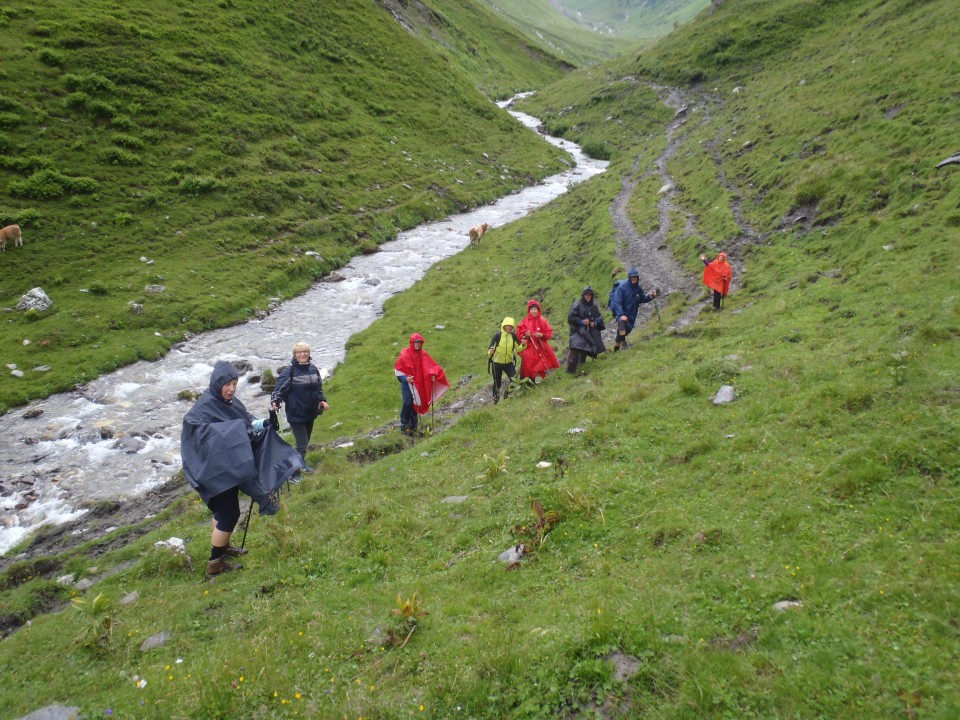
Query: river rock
[(558, 402), (135, 307), (130, 598), (42, 368), (726, 394), (35, 299), (31, 414), (17, 373)]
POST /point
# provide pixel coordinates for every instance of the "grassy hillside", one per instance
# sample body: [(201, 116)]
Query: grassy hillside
[(568, 39), (830, 482), (482, 44), (638, 19), (279, 141)]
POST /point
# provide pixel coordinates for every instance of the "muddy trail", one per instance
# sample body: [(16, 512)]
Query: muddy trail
[(112, 524)]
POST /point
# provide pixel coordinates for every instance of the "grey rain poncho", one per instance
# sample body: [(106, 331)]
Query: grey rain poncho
[(221, 450)]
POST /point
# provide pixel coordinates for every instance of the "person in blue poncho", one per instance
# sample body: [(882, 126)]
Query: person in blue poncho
[(225, 450), (625, 302)]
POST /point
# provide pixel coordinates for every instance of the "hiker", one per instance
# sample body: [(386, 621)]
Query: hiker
[(225, 451), (625, 300), (586, 322), (716, 276), (422, 383), (537, 358), (301, 388), (502, 353)]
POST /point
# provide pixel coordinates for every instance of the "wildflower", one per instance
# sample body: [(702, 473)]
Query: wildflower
[(421, 708), (179, 661), (298, 696), (142, 684), (108, 712)]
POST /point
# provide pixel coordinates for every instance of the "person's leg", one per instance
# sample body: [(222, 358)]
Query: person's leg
[(717, 297), (408, 419), (497, 380), (226, 515), (511, 371), (301, 437), (621, 335), (574, 360)]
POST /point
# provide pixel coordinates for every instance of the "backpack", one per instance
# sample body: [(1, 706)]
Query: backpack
[(613, 291)]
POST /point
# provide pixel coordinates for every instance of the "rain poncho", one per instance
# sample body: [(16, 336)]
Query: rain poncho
[(583, 337), (717, 274), (627, 299), (420, 366), (538, 357), (221, 450)]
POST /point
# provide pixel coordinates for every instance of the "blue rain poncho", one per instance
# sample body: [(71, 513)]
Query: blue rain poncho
[(221, 450)]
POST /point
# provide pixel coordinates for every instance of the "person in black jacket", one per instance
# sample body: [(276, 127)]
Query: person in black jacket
[(300, 387), (585, 321)]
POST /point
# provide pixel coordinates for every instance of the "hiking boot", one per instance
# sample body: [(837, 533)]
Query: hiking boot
[(233, 551), (270, 504), (219, 566), (616, 347)]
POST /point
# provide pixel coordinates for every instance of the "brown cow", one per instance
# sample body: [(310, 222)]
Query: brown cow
[(11, 231), (477, 232)]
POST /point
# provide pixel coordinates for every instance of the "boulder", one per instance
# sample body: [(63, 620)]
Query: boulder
[(35, 299)]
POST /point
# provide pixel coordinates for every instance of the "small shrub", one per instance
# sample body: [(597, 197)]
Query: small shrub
[(9, 120), (10, 104), (100, 108), (119, 156), (126, 140), (123, 218), (98, 629), (52, 58), (98, 289), (27, 216), (4, 142), (596, 149), (196, 185), (76, 101), (122, 122)]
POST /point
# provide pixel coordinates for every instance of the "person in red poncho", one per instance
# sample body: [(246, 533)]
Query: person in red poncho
[(422, 382), (716, 276), (537, 358)]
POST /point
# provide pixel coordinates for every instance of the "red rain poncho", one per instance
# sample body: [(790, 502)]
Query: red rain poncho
[(717, 274), (420, 366), (538, 357)]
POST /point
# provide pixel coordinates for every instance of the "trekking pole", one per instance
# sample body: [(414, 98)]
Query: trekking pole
[(246, 525), (656, 306), (432, 404)]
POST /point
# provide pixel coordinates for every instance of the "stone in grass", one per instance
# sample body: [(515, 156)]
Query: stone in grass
[(784, 605), (726, 394), (155, 641), (54, 712), (513, 554), (455, 499)]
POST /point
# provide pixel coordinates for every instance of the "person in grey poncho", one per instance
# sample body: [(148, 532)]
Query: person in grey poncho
[(225, 451), (585, 322)]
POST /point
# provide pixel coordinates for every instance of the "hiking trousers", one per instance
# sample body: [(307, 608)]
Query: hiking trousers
[(499, 369)]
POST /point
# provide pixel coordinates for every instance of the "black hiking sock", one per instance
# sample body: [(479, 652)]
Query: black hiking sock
[(217, 552)]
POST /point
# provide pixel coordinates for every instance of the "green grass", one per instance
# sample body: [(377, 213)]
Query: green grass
[(134, 131), (832, 480)]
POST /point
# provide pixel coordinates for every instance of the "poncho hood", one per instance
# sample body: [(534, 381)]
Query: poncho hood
[(223, 372)]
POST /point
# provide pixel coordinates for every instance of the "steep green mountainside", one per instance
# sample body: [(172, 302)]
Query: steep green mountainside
[(637, 19), (223, 141), (568, 39), (481, 44)]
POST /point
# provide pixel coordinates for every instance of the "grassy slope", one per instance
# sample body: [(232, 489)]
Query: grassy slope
[(563, 35), (135, 130), (832, 480), (638, 19)]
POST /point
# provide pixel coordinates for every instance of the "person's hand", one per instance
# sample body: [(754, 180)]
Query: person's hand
[(490, 351), (410, 379), (324, 405), (539, 334), (623, 318), (433, 377), (275, 405), (258, 425), (703, 257), (586, 322)]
